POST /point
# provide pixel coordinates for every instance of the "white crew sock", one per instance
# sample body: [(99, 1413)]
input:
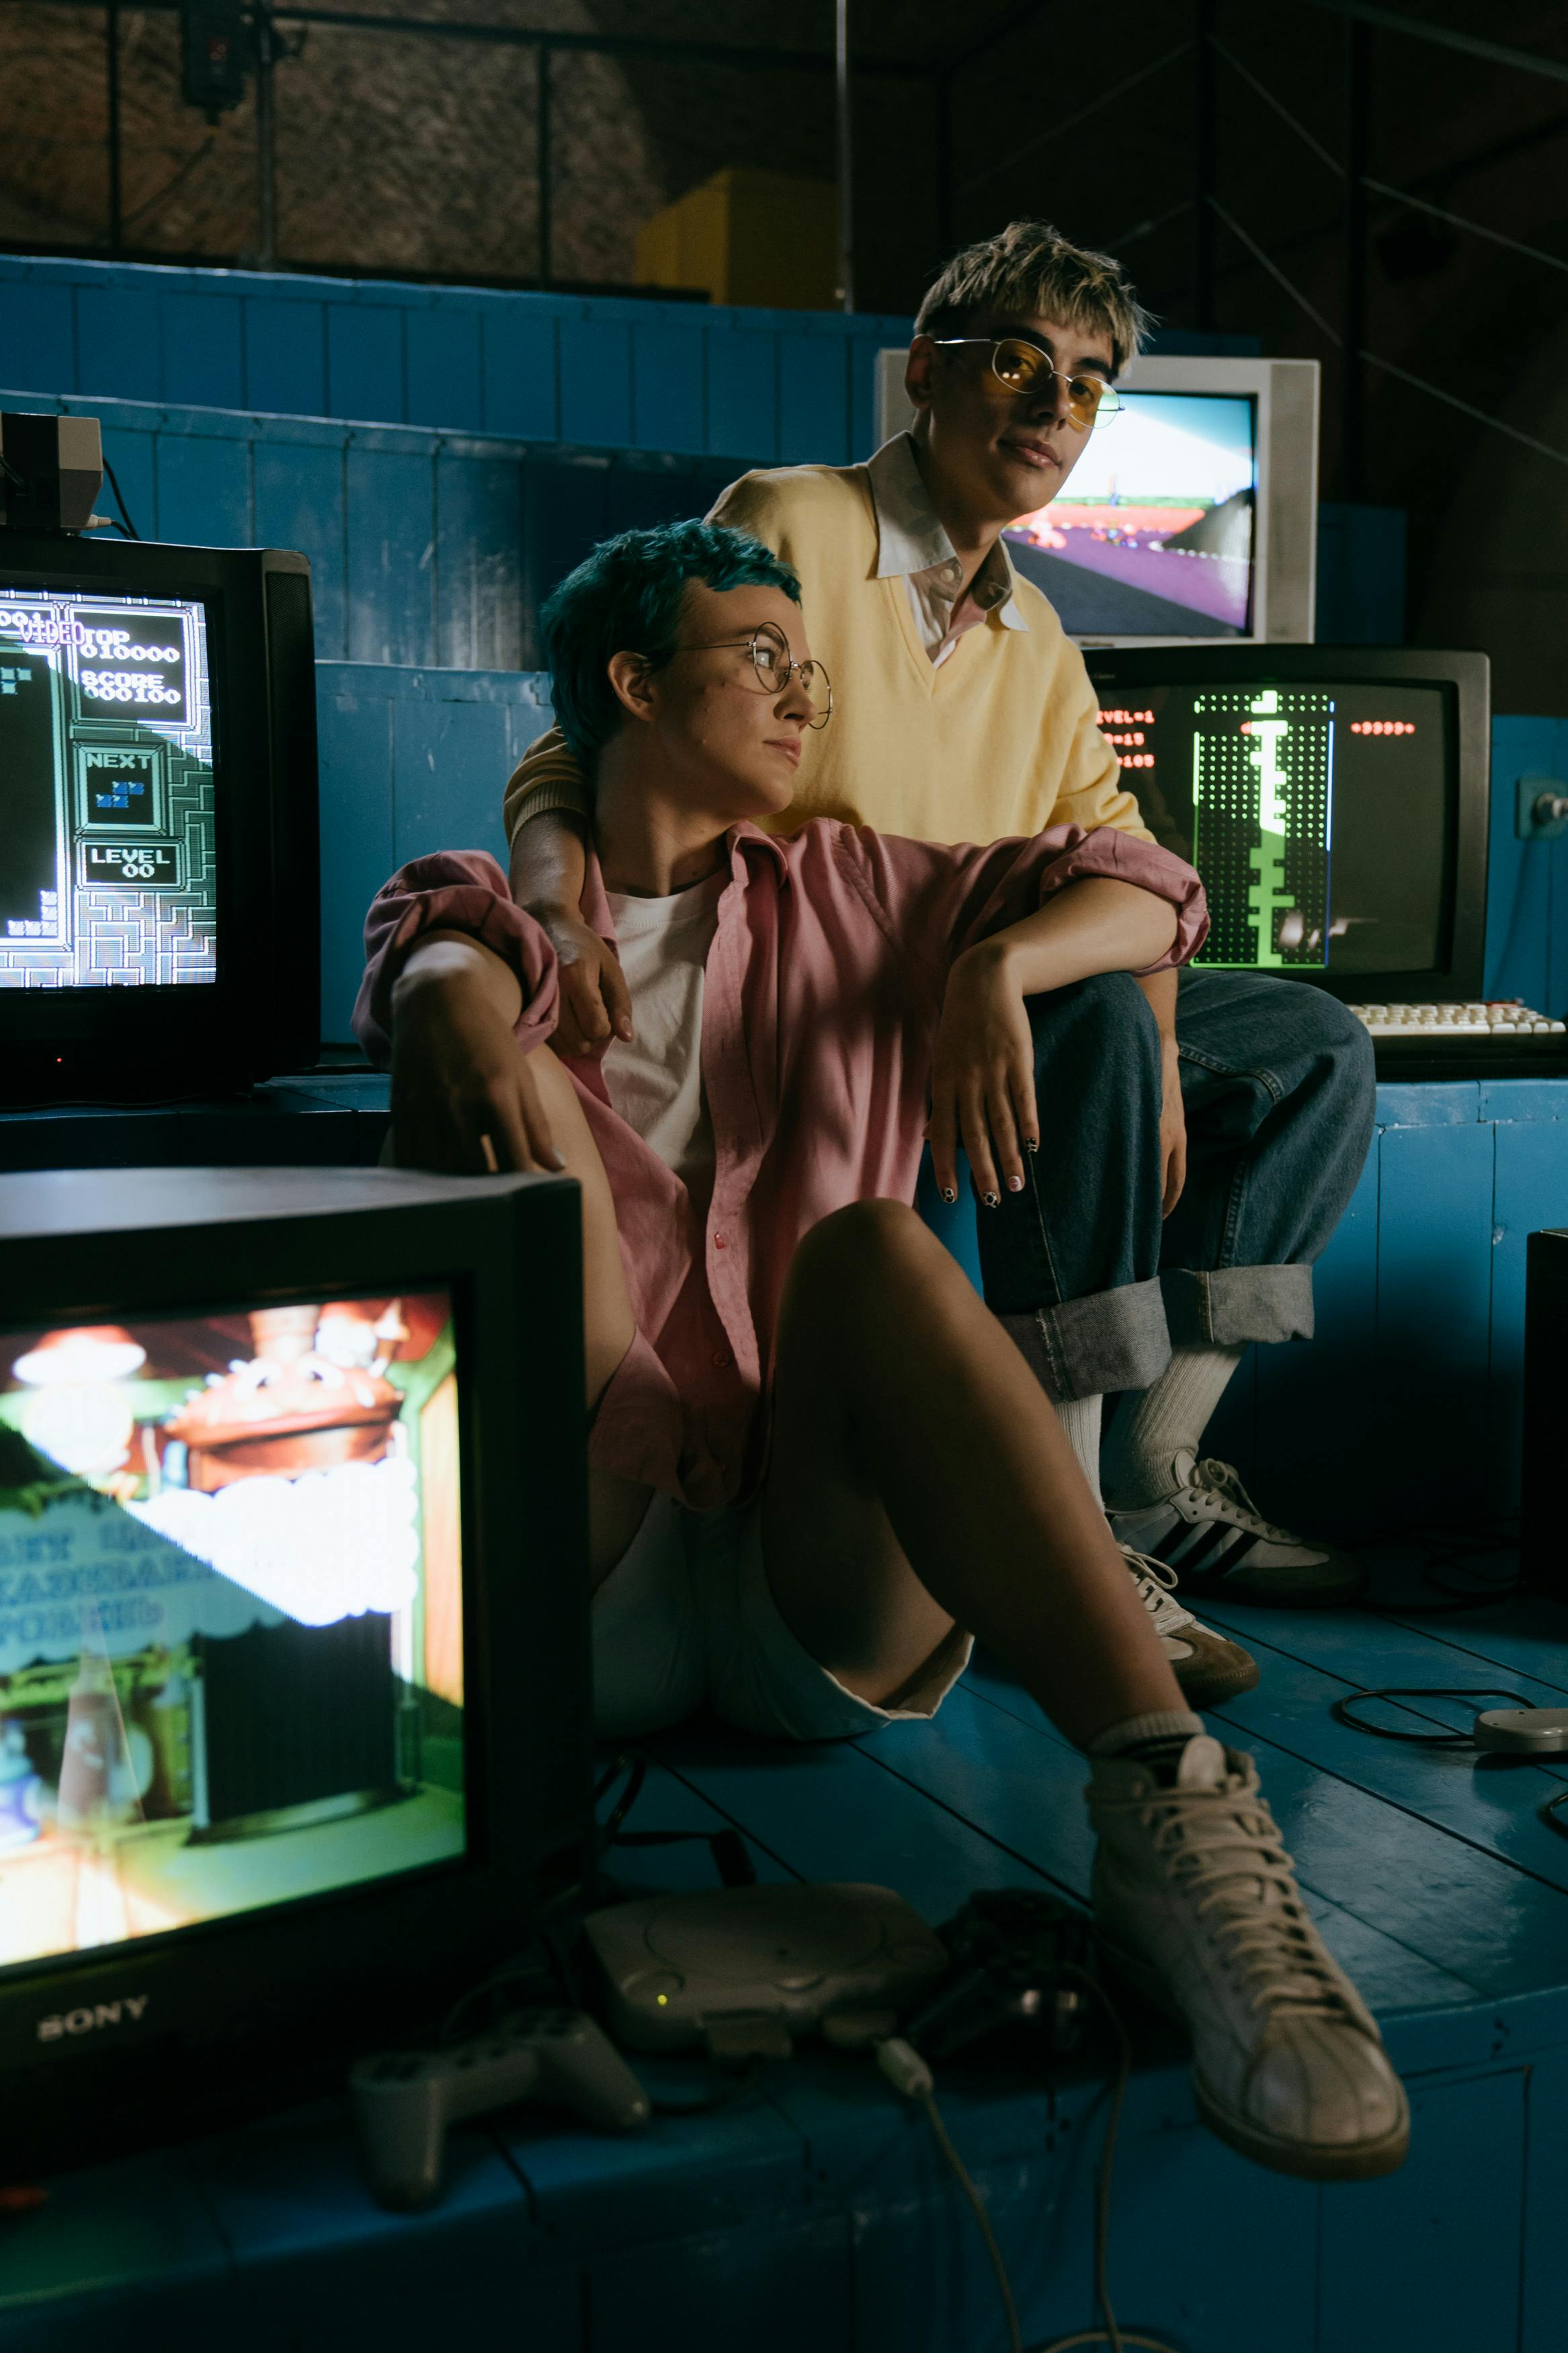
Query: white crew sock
[(1158, 1741), (1168, 1420), (1079, 1417)]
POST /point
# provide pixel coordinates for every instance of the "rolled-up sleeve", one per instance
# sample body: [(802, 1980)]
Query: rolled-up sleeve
[(938, 901), (457, 890)]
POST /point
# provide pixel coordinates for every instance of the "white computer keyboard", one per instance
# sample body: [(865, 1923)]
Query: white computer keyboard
[(1505, 1021)]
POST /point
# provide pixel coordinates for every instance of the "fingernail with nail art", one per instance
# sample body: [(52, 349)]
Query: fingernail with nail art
[(948, 1194), (991, 1201), (1015, 1183)]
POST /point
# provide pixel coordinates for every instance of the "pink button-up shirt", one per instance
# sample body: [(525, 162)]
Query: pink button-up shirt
[(824, 985)]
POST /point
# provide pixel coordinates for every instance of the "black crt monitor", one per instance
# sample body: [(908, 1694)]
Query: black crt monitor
[(295, 1712), (159, 868), (1334, 798)]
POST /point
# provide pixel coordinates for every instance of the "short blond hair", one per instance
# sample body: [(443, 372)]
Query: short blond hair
[(1030, 270)]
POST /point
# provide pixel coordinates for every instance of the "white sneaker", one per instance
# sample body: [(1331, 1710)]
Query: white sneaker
[(1208, 1668), (1197, 1901), (1213, 1534)]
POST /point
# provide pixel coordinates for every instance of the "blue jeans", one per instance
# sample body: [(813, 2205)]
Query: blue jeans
[(1277, 1079)]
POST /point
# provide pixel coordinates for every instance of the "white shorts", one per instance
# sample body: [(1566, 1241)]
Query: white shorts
[(687, 1619)]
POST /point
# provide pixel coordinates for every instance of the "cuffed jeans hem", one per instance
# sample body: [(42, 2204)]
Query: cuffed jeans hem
[(1114, 1340), (1234, 1304)]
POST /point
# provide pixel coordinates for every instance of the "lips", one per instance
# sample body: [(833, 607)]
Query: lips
[(789, 745), (1033, 453)]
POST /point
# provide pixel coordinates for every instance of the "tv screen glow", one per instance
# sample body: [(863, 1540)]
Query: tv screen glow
[(1155, 534), (231, 1629), (109, 860)]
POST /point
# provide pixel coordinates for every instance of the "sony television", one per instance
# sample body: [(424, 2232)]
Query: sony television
[(1334, 798), (158, 883), (1190, 517), (295, 1719)]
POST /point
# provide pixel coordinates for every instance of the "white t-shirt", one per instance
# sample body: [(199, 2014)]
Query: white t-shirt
[(655, 1084)]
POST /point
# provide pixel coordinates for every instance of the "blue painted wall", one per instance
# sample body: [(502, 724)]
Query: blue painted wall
[(1527, 881), (772, 387)]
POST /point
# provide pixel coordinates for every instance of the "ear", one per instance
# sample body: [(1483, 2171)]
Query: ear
[(634, 684), (920, 374)]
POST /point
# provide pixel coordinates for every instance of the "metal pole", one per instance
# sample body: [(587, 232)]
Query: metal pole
[(542, 165), (112, 65), (1352, 375), (266, 142), (1203, 163), (846, 159)]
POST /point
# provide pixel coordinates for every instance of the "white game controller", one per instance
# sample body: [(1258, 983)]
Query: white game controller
[(405, 2100)]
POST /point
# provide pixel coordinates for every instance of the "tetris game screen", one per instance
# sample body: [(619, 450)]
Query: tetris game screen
[(1317, 816), (1154, 535), (231, 1632), (107, 868)]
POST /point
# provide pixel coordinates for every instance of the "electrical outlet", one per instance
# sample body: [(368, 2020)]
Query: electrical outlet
[(1541, 808)]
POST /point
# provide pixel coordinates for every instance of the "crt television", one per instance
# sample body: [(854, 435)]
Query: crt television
[(1333, 800), (1191, 516), (295, 1721), (159, 885)]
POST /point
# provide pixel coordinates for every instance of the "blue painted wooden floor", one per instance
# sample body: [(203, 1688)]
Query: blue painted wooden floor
[(817, 2214)]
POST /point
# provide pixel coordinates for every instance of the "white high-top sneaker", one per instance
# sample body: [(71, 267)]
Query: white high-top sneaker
[(1196, 1902), (1208, 1668)]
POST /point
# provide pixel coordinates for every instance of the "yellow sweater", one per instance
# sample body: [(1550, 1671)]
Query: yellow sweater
[(1000, 739)]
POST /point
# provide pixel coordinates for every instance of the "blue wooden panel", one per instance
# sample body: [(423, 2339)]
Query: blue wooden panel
[(131, 453), (110, 2253), (953, 1223), (478, 558), (863, 434), (742, 394), (595, 383), (1531, 1191), (320, 2265), (299, 502), (566, 515), (1305, 1390), (667, 384), (355, 730), (1545, 2202), (520, 372), (445, 385), (1430, 2256), (37, 338), (774, 2289), (204, 359), (813, 401), (1434, 1305), (449, 768), (118, 343), (364, 362), (285, 357), (1439, 1103), (203, 491), (391, 555)]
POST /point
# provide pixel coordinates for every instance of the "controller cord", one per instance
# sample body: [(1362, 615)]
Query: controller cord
[(907, 2073)]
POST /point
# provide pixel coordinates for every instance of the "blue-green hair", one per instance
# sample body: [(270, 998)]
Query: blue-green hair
[(626, 598)]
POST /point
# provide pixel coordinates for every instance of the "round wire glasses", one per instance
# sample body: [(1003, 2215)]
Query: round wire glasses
[(776, 666), (1020, 367)]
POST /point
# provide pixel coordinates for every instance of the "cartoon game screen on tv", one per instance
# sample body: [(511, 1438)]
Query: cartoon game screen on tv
[(108, 862), (1154, 536), (231, 1637), (1317, 817)]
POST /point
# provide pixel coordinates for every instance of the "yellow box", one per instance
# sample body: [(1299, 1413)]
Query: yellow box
[(748, 237)]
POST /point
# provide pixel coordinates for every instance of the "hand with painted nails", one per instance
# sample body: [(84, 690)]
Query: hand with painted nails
[(983, 1075), (464, 1099)]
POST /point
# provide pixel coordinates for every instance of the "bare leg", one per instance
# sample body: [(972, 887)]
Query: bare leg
[(616, 1506), (920, 1477)]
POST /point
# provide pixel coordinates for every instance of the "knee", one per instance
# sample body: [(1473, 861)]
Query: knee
[(868, 1242), (1338, 1039), (1108, 1018)]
